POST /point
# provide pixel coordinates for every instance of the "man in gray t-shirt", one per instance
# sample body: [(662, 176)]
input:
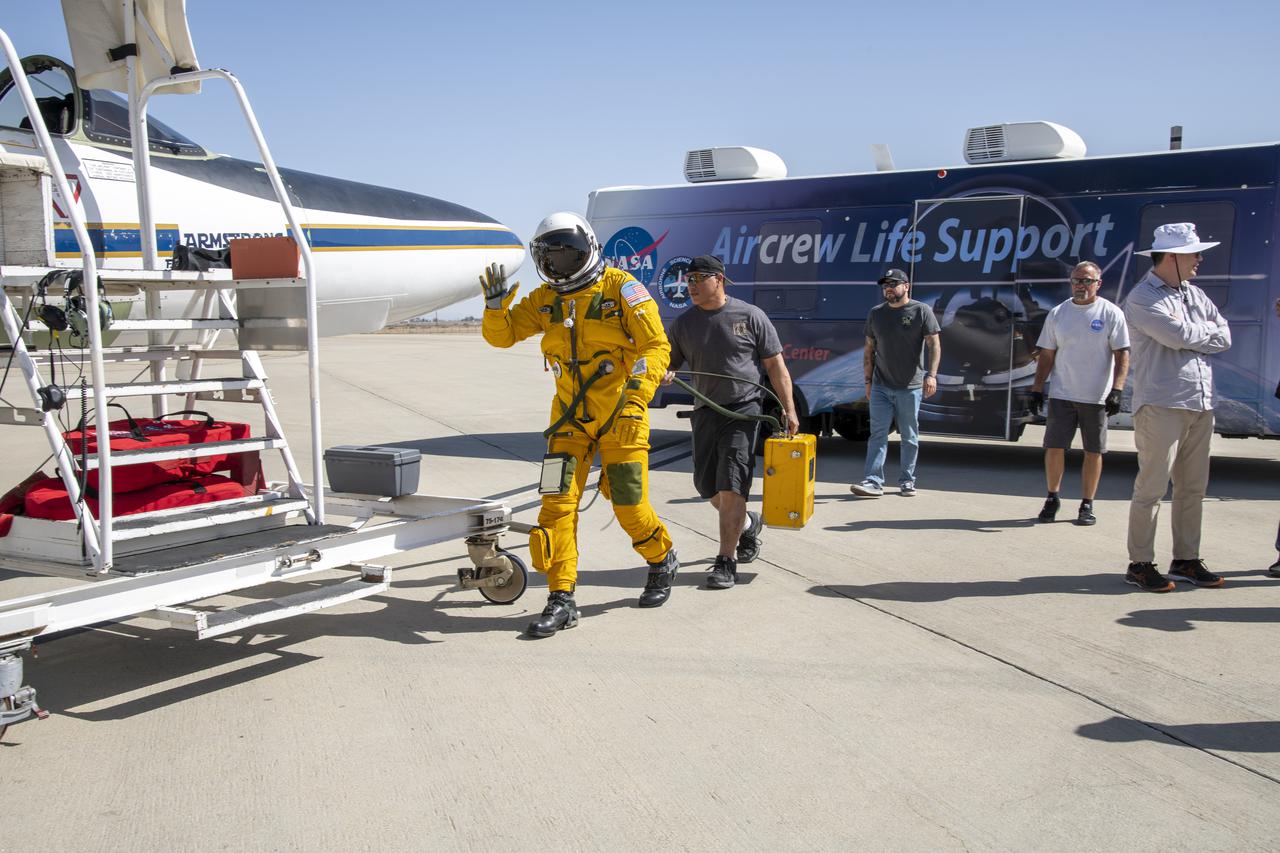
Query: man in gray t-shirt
[(898, 332), (723, 335)]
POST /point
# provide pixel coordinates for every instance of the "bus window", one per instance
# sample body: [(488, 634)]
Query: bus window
[(788, 251), (788, 301), (1214, 221)]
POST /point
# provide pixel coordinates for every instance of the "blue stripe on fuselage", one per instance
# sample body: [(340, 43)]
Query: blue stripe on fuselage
[(111, 241), (349, 237), (121, 242)]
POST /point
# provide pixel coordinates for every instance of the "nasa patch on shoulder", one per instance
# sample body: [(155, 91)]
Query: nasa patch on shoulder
[(635, 293)]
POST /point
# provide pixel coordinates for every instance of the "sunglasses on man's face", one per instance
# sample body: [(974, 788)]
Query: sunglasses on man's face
[(1085, 281), (699, 277)]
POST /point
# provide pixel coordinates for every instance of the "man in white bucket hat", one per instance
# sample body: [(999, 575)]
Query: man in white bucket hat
[(1173, 327)]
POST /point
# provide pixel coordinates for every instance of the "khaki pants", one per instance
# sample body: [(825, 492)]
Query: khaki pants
[(1172, 443)]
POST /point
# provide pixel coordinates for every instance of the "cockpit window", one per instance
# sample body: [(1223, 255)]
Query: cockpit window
[(107, 120), (54, 95)]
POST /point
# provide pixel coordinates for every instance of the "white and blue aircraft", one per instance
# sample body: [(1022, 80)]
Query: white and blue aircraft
[(382, 255)]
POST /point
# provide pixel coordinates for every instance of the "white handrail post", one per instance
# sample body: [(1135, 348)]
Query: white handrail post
[(282, 195), (146, 219), (102, 558)]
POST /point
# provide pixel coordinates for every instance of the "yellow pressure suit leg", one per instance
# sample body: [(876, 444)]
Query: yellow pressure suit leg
[(559, 514), (627, 470), (626, 465)]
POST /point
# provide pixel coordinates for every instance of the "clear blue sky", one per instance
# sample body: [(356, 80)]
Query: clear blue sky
[(519, 109)]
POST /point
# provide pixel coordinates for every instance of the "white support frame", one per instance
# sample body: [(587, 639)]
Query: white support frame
[(142, 163), (97, 535), (416, 521)]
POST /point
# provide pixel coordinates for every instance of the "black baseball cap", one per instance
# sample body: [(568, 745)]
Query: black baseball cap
[(708, 265), (894, 276)]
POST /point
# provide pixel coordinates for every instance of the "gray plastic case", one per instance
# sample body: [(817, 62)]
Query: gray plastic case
[(373, 470)]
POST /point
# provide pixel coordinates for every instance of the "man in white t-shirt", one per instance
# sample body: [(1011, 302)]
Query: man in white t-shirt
[(1084, 352)]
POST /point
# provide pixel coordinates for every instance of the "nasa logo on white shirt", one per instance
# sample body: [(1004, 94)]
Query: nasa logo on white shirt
[(1096, 324)]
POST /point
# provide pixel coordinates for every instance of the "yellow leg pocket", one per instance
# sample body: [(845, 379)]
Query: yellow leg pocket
[(626, 482), (540, 552)]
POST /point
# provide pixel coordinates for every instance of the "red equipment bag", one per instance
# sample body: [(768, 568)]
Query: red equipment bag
[(135, 434), (128, 435), (48, 498)]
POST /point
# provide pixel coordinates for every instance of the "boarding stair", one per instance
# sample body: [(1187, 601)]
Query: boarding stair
[(209, 348), (185, 359)]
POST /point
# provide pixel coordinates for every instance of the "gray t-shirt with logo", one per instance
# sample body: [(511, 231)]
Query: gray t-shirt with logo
[(899, 334), (731, 340)]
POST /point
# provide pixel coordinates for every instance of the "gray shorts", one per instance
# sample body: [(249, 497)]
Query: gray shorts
[(724, 451), (1063, 418)]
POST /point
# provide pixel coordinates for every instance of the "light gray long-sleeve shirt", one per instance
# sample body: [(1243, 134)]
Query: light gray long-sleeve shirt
[(1173, 331)]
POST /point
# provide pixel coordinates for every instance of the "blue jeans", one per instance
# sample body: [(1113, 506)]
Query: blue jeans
[(886, 404)]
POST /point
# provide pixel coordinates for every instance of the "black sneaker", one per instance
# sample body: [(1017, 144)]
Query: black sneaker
[(561, 612), (1085, 516), (657, 589), (749, 541), (724, 574), (1195, 572), (1274, 568), (1050, 510), (1145, 576)]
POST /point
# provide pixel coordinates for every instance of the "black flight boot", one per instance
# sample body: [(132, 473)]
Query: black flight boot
[(561, 612), (657, 589)]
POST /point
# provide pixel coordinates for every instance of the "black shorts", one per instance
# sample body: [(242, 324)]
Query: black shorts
[(1065, 415), (724, 450)]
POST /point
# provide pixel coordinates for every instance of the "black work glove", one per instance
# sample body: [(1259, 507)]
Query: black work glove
[(1037, 402), (1112, 404)]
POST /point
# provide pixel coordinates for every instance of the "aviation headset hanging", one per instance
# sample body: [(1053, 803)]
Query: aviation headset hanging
[(73, 314)]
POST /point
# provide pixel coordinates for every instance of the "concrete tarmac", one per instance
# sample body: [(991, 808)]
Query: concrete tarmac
[(931, 673)]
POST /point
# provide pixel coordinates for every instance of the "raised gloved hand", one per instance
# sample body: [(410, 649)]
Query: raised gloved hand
[(497, 296), (632, 424), (1112, 404), (1037, 402)]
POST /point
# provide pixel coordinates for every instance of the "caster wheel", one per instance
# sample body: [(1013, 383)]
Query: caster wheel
[(515, 585)]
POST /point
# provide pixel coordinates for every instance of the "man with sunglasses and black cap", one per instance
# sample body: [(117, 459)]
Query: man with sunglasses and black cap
[(1174, 327), (899, 330), (735, 339)]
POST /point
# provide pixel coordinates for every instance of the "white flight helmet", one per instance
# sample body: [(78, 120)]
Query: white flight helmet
[(566, 252)]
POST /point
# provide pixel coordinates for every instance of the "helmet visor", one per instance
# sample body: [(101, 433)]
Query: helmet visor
[(561, 254)]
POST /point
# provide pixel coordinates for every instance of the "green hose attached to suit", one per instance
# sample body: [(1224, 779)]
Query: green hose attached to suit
[(729, 413)]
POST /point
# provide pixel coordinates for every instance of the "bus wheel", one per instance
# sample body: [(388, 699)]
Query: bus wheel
[(852, 427)]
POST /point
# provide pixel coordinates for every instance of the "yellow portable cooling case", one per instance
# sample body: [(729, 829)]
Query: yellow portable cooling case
[(790, 469)]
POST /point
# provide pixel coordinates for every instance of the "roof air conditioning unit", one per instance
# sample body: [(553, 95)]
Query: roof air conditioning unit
[(1025, 140), (732, 164)]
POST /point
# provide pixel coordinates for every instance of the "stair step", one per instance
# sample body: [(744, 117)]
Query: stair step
[(145, 524), (189, 451), (215, 623), (175, 352), (113, 279), (174, 387)]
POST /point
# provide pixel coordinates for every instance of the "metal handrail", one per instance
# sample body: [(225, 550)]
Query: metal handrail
[(97, 537), (150, 256)]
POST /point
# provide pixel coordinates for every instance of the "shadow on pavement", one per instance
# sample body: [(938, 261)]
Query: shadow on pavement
[(973, 525), (1231, 737), (1109, 583), (1184, 619)]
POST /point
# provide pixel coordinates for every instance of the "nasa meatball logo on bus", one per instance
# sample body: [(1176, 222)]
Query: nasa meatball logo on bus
[(634, 250), (672, 286)]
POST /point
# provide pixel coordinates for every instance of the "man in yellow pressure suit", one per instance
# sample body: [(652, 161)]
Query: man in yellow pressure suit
[(603, 339)]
